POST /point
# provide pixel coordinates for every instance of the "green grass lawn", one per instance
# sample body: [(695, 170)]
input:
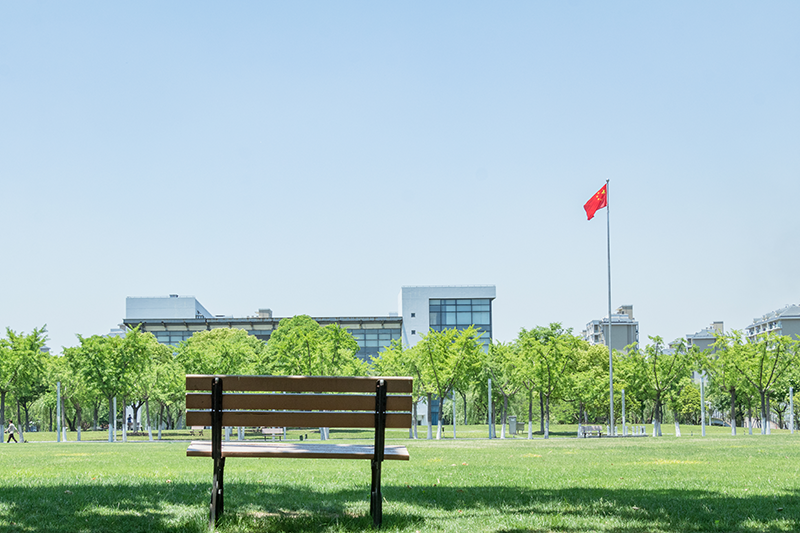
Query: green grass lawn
[(717, 483)]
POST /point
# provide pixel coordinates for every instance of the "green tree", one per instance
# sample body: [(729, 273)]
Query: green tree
[(26, 370), (442, 359), (663, 369), (167, 388), (763, 363), (686, 403), (631, 375), (76, 391), (158, 362), (397, 360), (588, 383), (552, 350), (300, 346), (221, 351), (719, 365), (110, 365), (501, 362)]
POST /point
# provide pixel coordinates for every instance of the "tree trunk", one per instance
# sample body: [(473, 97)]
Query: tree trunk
[(124, 421), (160, 420), (503, 417), (26, 407), (2, 414), (733, 411), (430, 416), (19, 421), (657, 416), (147, 412), (768, 416), (464, 398), (541, 412), (79, 417), (547, 419), (530, 414), (439, 422), (111, 419), (414, 420), (763, 413)]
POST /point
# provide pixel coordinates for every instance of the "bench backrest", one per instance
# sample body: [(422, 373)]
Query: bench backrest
[(298, 401)]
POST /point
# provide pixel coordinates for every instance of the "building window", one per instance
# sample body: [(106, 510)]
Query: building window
[(462, 313), (413, 332), (413, 315), (373, 341)]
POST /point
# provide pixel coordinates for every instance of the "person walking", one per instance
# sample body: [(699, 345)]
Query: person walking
[(11, 430)]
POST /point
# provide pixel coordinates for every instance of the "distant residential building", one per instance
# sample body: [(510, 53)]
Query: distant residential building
[(704, 338), (119, 331), (784, 321), (624, 329)]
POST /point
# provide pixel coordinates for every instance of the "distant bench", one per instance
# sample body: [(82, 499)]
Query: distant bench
[(585, 431), (297, 401), (272, 432)]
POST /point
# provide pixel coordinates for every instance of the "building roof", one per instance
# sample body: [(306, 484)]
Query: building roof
[(789, 311)]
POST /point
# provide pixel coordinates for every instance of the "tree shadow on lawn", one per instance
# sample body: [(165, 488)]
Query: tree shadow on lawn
[(284, 507)]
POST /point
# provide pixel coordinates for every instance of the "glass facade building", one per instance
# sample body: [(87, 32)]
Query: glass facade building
[(461, 313), (372, 341)]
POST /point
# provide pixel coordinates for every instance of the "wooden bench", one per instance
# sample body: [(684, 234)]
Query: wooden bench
[(297, 401), (272, 432), (591, 430)]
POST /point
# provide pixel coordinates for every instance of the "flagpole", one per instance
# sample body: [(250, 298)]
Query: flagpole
[(610, 349)]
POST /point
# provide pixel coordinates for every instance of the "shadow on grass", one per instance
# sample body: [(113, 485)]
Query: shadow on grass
[(256, 507)]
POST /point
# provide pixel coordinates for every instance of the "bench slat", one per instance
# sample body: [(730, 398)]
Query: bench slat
[(298, 419), (295, 450), (300, 402), (299, 383)]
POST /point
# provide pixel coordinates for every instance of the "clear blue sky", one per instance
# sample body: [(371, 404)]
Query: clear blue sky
[(314, 157)]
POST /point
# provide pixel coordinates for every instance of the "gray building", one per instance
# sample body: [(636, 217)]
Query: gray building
[(436, 308), (784, 321), (705, 338), (173, 319), (624, 332)]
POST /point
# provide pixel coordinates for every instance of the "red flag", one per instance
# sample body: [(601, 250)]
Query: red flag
[(598, 201)]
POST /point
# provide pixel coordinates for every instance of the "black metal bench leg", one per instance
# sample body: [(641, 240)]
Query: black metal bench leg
[(376, 498), (217, 494)]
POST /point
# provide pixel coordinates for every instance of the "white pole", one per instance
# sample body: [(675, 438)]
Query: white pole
[(610, 349), (491, 421), (703, 404), (58, 411), (63, 421), (115, 419), (791, 410)]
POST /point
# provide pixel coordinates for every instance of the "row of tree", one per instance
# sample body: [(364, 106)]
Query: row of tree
[(554, 366), (545, 365)]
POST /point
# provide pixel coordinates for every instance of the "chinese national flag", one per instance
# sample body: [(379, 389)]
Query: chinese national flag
[(598, 201)]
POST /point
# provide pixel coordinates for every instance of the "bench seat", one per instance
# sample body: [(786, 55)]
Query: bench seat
[(298, 450)]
